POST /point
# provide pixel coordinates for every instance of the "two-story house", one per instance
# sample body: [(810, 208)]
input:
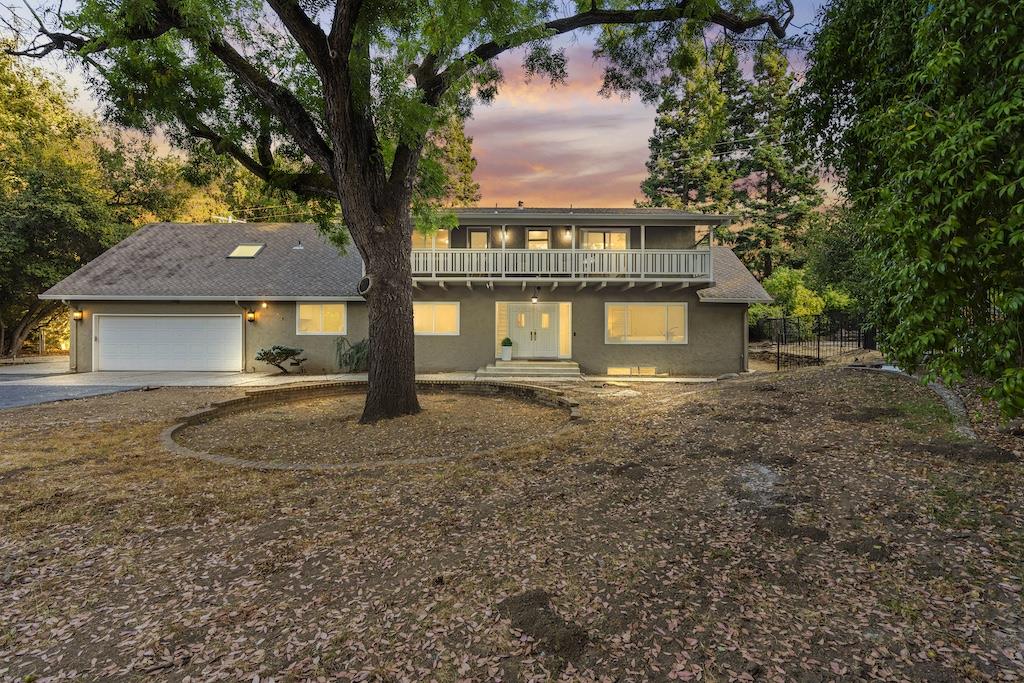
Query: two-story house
[(605, 291)]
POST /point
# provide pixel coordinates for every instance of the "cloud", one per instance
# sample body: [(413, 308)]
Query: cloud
[(560, 145)]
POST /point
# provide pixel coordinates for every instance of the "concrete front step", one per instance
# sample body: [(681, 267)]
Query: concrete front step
[(568, 369), (527, 364)]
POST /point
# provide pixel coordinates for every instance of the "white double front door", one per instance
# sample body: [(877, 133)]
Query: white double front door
[(533, 329)]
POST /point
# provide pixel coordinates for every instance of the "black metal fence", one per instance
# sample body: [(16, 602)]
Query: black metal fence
[(813, 340)]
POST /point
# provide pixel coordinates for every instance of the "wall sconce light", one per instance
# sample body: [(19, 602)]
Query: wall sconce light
[(536, 295), (263, 305), (250, 315), (77, 315)]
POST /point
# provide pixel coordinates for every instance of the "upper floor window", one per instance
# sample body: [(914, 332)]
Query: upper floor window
[(479, 238), (538, 238), (440, 239), (606, 239), (320, 319)]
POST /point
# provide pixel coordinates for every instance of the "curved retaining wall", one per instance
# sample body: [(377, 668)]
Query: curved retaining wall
[(262, 397)]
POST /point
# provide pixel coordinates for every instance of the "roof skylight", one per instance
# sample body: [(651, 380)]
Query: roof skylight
[(246, 250)]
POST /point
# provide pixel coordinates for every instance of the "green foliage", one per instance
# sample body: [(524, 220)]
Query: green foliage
[(795, 297), (279, 355), (723, 142), (68, 193), (836, 258), (926, 124), (353, 357), (507, 341), (696, 130), (786, 285)]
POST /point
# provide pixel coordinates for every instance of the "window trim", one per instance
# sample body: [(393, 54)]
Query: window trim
[(260, 246), (584, 231), (321, 304), (458, 320), (666, 304)]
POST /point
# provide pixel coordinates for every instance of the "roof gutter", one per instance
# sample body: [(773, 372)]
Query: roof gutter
[(177, 297)]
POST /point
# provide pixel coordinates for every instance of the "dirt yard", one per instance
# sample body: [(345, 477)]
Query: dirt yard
[(326, 431), (810, 525)]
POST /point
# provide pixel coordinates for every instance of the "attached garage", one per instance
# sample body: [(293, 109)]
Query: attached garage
[(168, 342)]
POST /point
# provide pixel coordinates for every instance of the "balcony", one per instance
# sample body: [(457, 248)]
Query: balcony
[(563, 264)]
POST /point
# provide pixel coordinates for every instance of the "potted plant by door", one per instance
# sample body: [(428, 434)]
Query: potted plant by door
[(506, 348)]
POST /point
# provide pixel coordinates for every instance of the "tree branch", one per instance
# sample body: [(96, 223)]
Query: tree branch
[(305, 31), (306, 185), (274, 96), (434, 86), (343, 27)]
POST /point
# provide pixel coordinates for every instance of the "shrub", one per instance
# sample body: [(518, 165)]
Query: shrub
[(279, 355), (353, 357)]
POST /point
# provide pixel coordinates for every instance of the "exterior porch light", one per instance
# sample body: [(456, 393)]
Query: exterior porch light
[(77, 315), (250, 315), (263, 305), (536, 295)]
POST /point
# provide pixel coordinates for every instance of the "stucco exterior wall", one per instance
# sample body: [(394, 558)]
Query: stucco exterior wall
[(716, 332), (274, 325)]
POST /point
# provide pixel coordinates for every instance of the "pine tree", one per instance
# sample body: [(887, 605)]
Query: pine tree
[(721, 143), (456, 158), (700, 119), (781, 190)]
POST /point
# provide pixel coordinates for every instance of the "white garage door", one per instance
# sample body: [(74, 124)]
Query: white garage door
[(180, 342)]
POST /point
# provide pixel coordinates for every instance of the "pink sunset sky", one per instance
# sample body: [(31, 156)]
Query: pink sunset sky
[(559, 145), (553, 145)]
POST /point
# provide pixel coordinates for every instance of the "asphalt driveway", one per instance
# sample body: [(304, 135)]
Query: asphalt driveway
[(16, 395), (32, 383)]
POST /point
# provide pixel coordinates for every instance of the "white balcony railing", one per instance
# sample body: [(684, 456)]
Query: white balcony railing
[(682, 264)]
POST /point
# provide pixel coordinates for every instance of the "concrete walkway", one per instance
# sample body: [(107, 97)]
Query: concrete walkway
[(29, 384)]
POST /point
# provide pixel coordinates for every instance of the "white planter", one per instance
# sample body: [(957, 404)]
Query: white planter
[(506, 353)]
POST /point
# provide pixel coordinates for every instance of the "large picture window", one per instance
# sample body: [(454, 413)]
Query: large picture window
[(645, 323), (435, 318), (321, 319)]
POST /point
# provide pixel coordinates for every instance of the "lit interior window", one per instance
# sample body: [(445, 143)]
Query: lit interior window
[(538, 239), (440, 318), (645, 323), (422, 240), (601, 239), (246, 250), (321, 319)]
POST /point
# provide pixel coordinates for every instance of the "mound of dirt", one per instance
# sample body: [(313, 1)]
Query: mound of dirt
[(531, 613)]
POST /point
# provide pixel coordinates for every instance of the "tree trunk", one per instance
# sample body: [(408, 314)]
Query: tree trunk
[(385, 243), (392, 362)]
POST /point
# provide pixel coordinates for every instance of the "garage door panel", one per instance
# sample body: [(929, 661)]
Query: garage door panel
[(167, 343)]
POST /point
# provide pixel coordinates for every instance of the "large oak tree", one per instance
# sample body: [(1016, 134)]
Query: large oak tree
[(350, 90)]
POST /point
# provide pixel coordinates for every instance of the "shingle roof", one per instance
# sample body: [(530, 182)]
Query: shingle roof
[(189, 261), (733, 282)]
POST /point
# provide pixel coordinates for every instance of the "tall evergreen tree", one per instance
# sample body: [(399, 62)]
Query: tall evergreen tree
[(458, 163), (781, 186), (700, 119), (722, 143)]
